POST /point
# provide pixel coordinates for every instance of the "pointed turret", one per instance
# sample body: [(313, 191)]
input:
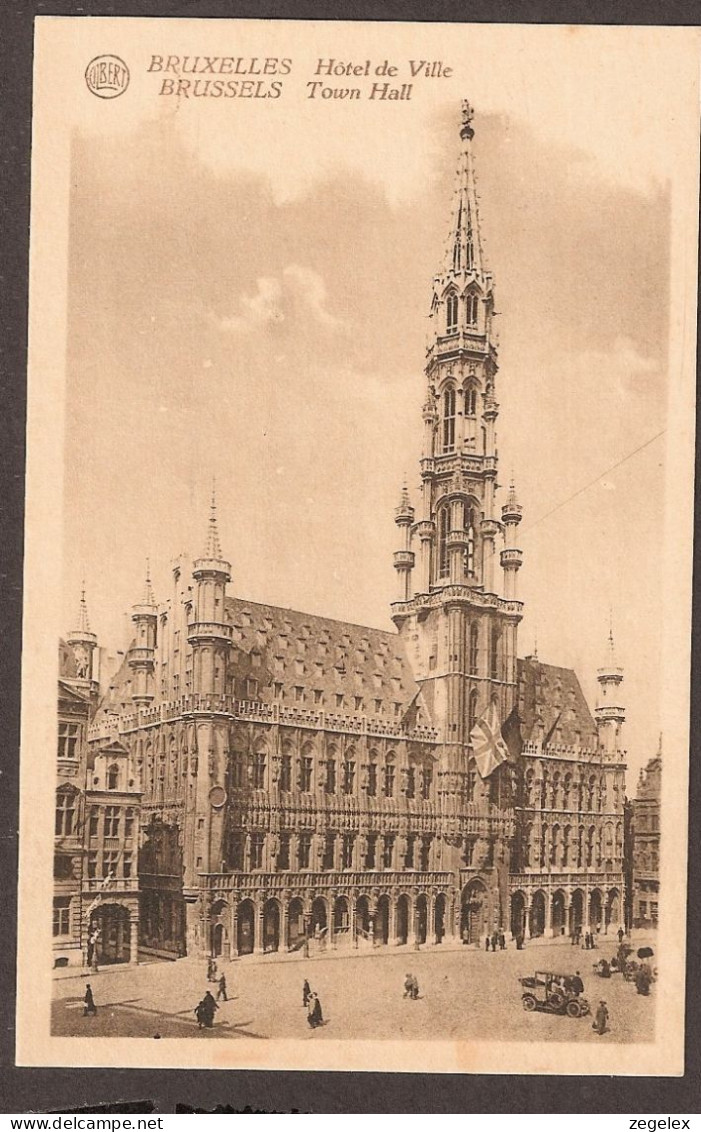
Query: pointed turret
[(610, 715), (463, 254), (83, 642), (511, 556), (142, 654), (404, 558), (210, 633)]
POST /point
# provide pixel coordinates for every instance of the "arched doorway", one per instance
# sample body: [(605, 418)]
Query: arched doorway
[(112, 923), (595, 910), (319, 924), (559, 919), (577, 911), (473, 912), (271, 925), (537, 915), (245, 932), (362, 917), (439, 917), (341, 917), (219, 934), (382, 920), (403, 919), (613, 907), (295, 924), (518, 914), (421, 916)]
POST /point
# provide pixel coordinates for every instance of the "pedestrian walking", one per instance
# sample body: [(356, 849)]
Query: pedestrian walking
[(577, 984), (208, 1007), (211, 970), (502, 941), (221, 992), (89, 1001), (306, 991), (414, 987), (495, 940), (601, 1018), (408, 985), (314, 1016), (621, 934), (486, 943)]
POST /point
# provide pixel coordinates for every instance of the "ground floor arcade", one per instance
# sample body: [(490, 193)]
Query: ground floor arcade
[(566, 910)]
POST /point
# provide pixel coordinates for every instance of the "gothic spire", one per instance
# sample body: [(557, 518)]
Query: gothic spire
[(213, 545), (83, 619), (149, 598), (463, 254)]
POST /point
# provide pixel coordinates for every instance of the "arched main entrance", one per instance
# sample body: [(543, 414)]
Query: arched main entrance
[(112, 923), (295, 924), (382, 920), (245, 930), (595, 910), (473, 912), (559, 919), (518, 914), (362, 917), (537, 914), (439, 917), (271, 925), (577, 911), (403, 919), (421, 914)]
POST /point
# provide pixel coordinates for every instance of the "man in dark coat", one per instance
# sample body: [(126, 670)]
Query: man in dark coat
[(577, 984), (601, 1018), (306, 991), (621, 934), (495, 940), (208, 1006), (486, 943), (314, 1015), (221, 992), (502, 941), (89, 1001)]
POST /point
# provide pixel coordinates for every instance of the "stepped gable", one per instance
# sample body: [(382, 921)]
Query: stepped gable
[(548, 692), (324, 657)]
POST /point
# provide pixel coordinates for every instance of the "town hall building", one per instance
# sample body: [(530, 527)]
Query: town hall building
[(305, 782)]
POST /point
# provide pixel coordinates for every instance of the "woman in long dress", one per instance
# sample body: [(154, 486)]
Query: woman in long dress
[(314, 1016)]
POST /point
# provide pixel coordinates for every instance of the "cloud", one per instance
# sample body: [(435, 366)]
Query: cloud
[(297, 289)]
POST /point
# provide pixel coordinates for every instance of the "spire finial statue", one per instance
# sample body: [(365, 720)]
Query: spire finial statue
[(466, 130)]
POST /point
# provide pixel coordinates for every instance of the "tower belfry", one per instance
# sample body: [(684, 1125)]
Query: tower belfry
[(458, 609)]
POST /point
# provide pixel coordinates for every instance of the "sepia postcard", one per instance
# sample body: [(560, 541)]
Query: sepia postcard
[(356, 651)]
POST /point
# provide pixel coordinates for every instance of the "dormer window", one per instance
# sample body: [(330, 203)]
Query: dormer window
[(451, 313), (113, 777)]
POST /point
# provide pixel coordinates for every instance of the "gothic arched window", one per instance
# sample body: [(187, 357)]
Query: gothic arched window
[(443, 528), (113, 777), (470, 254), (470, 401), (469, 560), (474, 640), (495, 653), (448, 420), (472, 309), (451, 313), (472, 711)]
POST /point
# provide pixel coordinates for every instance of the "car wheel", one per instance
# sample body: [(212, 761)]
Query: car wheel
[(529, 1002), (573, 1009)]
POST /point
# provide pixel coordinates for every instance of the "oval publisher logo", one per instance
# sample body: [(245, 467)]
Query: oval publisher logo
[(107, 76)]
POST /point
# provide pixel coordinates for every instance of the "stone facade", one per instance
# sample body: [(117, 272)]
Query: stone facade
[(310, 783), (645, 821)]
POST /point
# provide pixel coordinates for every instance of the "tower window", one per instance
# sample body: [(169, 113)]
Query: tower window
[(472, 308), (443, 527), (470, 402), (472, 710), (469, 559), (474, 638), (495, 654), (451, 313), (449, 420)]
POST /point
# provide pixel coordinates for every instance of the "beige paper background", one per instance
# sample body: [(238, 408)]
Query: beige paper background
[(617, 74)]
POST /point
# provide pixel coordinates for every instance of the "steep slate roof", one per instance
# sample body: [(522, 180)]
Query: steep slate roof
[(320, 655), (550, 696)]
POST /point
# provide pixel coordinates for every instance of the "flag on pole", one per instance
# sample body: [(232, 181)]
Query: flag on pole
[(488, 747), (511, 734)]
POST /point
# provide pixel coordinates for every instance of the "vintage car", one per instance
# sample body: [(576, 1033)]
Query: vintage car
[(552, 993)]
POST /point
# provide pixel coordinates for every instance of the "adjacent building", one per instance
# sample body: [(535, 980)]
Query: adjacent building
[(300, 781), (645, 833)]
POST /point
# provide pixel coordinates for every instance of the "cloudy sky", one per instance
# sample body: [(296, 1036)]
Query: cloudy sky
[(248, 299)]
